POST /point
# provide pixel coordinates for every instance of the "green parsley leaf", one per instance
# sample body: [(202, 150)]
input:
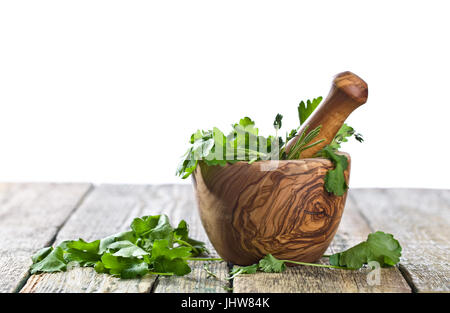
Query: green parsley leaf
[(124, 267), (335, 179), (270, 264), (52, 262), (106, 242), (379, 246), (238, 270), (41, 254), (181, 236), (176, 266), (82, 252), (305, 110), (161, 248), (148, 246), (243, 143), (153, 227), (126, 249)]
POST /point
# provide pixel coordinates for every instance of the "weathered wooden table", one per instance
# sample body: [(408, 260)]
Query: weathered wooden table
[(36, 215)]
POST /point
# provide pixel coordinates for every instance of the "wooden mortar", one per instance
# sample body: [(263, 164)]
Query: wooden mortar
[(248, 213)]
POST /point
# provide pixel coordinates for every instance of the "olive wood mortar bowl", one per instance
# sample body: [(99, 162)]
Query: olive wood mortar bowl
[(248, 212)]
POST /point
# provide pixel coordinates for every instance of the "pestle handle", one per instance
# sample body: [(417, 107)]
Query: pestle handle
[(348, 92)]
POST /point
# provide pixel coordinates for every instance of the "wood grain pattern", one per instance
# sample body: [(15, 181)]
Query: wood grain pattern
[(107, 210), (353, 229), (30, 216), (184, 207), (248, 212), (420, 220), (110, 209), (347, 93)]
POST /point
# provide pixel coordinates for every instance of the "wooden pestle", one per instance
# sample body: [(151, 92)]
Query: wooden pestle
[(348, 92)]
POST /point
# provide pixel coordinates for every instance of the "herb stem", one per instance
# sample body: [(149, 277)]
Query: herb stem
[(184, 243), (315, 264)]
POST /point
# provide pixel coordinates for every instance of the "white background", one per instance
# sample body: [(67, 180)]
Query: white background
[(110, 91)]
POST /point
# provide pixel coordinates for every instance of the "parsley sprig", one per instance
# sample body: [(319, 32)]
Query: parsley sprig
[(379, 247), (152, 246), (244, 143)]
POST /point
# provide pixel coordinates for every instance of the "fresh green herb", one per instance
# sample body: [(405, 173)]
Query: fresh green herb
[(53, 261), (379, 247), (344, 132), (244, 143), (209, 273), (303, 143), (305, 110), (335, 179), (151, 246)]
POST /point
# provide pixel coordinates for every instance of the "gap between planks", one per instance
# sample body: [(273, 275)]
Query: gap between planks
[(177, 201), (110, 209), (30, 216), (352, 230), (420, 220)]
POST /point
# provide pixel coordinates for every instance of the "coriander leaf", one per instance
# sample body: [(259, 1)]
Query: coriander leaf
[(344, 132), (270, 264), (195, 136), (105, 242), (82, 252), (305, 110), (80, 244), (198, 247), (153, 227), (379, 246), (124, 267), (335, 179), (176, 266), (214, 148), (245, 122), (181, 235), (161, 248), (126, 249), (52, 262), (128, 254), (182, 230), (251, 269), (100, 268), (41, 254), (187, 164)]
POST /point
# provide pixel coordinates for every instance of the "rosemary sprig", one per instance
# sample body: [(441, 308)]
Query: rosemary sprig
[(303, 143)]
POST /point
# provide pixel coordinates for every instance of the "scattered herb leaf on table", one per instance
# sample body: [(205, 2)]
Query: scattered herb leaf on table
[(151, 246), (379, 247)]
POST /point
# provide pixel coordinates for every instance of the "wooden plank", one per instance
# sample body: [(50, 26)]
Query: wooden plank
[(30, 216), (420, 220), (352, 230), (110, 209), (184, 207), (107, 210)]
